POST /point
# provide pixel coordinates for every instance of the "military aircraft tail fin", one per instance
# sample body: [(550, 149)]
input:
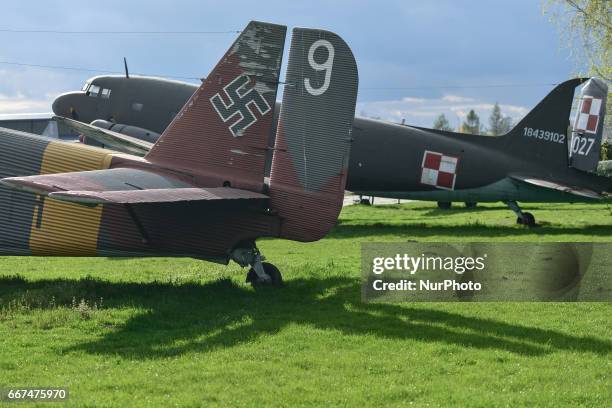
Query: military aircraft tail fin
[(587, 131), (222, 132), (542, 134), (313, 139)]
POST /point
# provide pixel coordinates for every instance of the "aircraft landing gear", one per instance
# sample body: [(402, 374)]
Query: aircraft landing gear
[(261, 273), (528, 219), (366, 201), (445, 205), (275, 277), (524, 218)]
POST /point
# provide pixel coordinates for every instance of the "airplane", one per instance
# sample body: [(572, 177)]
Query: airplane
[(200, 191), (539, 160)]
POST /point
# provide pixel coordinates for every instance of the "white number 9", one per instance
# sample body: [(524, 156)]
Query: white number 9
[(326, 66)]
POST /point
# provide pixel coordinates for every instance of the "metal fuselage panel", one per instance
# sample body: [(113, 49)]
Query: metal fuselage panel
[(31, 224), (150, 103), (386, 159)]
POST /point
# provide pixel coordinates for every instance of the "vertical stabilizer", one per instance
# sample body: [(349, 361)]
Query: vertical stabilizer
[(222, 131), (542, 135)]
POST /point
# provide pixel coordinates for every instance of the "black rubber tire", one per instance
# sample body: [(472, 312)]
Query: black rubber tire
[(470, 204), (445, 205), (365, 201), (272, 271), (528, 219)]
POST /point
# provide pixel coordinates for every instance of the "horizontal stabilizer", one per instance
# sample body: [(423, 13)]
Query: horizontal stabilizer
[(582, 192), (109, 139), (170, 195), (123, 186), (120, 179)]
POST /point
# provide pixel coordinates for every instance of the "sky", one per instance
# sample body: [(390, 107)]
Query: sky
[(416, 59)]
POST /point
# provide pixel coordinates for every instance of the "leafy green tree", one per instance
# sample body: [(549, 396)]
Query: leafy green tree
[(586, 28), (606, 151), (498, 123), (441, 123), (472, 123)]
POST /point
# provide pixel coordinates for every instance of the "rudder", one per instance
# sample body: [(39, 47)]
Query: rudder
[(587, 132), (310, 161)]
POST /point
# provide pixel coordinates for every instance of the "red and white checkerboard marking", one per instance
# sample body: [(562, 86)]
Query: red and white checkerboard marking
[(439, 170), (588, 115)]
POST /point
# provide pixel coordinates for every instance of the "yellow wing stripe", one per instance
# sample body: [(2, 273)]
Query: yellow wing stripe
[(61, 157), (66, 228)]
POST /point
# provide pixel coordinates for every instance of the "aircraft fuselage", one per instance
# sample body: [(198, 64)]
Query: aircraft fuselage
[(387, 159)]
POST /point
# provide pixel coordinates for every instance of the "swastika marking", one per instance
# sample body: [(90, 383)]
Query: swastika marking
[(240, 107)]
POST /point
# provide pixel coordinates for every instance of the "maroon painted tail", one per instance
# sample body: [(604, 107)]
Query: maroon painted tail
[(313, 138), (221, 134)]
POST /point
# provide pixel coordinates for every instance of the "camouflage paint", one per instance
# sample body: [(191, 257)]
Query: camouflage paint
[(203, 147), (313, 138), (34, 224), (20, 154), (210, 136)]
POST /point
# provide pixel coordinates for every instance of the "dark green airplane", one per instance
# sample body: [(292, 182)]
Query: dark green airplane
[(540, 160)]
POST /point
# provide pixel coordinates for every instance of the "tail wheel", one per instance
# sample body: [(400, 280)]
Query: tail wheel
[(528, 219), (276, 279), (444, 205)]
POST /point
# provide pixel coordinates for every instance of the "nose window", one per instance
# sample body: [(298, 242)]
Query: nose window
[(84, 88), (94, 90)]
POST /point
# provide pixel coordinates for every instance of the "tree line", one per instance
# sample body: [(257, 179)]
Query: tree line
[(499, 124)]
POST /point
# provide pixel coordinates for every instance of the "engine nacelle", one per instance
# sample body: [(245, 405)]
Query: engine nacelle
[(133, 131)]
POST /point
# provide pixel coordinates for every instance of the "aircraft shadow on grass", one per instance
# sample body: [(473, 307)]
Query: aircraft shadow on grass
[(355, 230), (198, 318), (436, 212)]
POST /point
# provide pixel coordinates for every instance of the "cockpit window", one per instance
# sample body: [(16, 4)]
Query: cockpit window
[(106, 93), (94, 90), (85, 86)]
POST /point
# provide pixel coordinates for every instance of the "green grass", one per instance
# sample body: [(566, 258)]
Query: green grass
[(179, 332)]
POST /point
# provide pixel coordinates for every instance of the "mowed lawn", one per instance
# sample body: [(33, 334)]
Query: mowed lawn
[(181, 332)]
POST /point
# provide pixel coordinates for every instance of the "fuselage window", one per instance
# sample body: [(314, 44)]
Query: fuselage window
[(94, 90), (137, 106), (106, 93)]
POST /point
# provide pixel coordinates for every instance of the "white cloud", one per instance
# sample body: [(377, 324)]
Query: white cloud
[(410, 99), (22, 104), (456, 99), (423, 112)]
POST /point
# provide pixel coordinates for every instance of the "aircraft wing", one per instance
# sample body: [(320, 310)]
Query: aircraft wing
[(582, 192), (123, 186), (111, 140)]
